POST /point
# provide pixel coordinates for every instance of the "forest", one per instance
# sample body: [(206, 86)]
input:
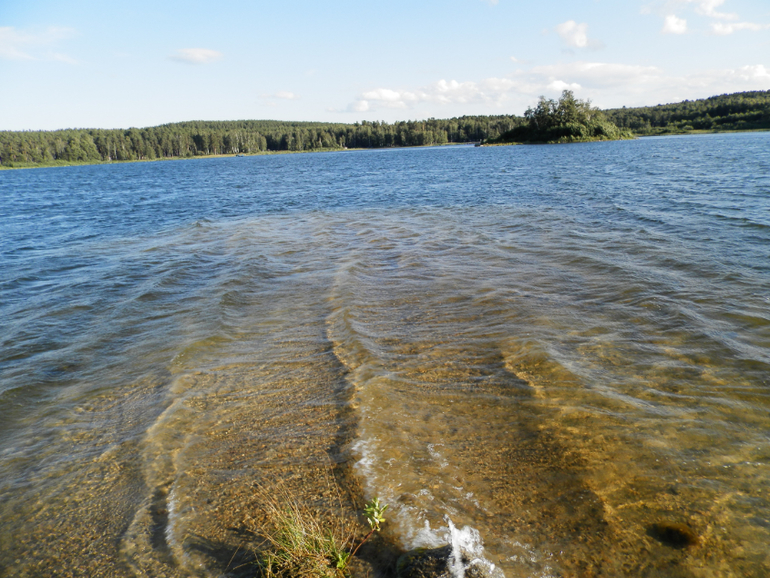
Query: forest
[(739, 111), (204, 138)]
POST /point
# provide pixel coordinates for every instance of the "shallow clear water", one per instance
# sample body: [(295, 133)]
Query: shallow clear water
[(558, 346)]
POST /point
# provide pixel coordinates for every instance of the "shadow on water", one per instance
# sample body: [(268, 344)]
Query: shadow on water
[(238, 563)]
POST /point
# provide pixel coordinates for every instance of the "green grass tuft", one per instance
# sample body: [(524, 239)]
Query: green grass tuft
[(299, 540)]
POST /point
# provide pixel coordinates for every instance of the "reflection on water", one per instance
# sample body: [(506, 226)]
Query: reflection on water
[(564, 349)]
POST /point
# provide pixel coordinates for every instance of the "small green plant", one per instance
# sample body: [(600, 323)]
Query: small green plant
[(374, 512), (341, 558)]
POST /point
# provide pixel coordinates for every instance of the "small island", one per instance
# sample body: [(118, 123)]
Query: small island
[(567, 120)]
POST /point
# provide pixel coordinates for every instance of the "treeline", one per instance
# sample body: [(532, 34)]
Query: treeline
[(189, 139), (738, 111)]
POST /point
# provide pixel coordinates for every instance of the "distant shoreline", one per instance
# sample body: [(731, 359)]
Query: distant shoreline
[(636, 136), (737, 112), (64, 164)]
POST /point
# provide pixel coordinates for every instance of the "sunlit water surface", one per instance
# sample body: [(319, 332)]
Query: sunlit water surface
[(559, 347)]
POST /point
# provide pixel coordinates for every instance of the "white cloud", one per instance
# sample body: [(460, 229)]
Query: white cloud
[(489, 90), (358, 106), (463, 92), (703, 7), (723, 23), (630, 85), (753, 73), (23, 45), (724, 28), (560, 86), (573, 34), (576, 35), (674, 25), (438, 92), (281, 95), (12, 43), (607, 84), (598, 74), (520, 60), (196, 55), (390, 98), (521, 86), (708, 8)]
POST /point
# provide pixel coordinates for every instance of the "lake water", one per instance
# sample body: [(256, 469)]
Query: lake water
[(561, 347)]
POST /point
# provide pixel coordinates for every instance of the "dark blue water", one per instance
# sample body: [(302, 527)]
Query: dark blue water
[(559, 346)]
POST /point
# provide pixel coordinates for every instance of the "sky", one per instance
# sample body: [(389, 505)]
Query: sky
[(97, 64)]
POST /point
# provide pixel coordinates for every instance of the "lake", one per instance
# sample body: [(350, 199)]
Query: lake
[(562, 348)]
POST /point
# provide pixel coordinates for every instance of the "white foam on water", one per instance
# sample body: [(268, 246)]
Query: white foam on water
[(426, 537), (363, 448), (436, 455), (172, 506), (527, 558), (467, 551)]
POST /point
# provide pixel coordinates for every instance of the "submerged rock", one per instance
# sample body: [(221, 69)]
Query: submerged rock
[(425, 563), (674, 535), (440, 563)]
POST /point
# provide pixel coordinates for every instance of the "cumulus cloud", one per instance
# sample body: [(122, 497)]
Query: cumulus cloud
[(560, 86), (392, 98), (709, 8), (703, 7), (285, 95), (725, 28), (196, 55), (359, 105), (576, 35), (596, 76), (612, 84), (489, 90), (722, 23), (757, 73), (269, 99), (674, 25), (24, 45), (608, 84), (573, 34)]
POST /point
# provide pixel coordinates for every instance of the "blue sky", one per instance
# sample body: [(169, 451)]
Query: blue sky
[(89, 64)]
